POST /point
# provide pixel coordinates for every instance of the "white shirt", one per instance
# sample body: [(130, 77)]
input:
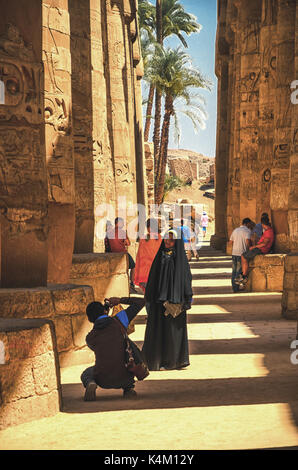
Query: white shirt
[(239, 237)]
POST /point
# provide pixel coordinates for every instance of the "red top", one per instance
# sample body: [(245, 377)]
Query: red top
[(117, 240), (269, 234)]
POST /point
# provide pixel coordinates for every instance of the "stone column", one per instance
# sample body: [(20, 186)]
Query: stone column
[(250, 18), (120, 96), (231, 38), (23, 178), (285, 74), (218, 240), (267, 86), (59, 138), (293, 183), (138, 72)]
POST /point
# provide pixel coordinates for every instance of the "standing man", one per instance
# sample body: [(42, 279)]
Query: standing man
[(187, 238), (241, 241)]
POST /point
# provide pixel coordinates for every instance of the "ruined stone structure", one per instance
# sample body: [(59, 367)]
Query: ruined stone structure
[(257, 127), (71, 131), (70, 142)]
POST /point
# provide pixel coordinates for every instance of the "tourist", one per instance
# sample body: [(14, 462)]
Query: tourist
[(168, 295), (119, 241), (204, 222), (148, 247), (107, 341), (195, 228), (262, 247), (187, 238), (240, 239), (109, 228), (257, 231)]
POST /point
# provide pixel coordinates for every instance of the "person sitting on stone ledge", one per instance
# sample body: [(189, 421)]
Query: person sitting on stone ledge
[(257, 231), (262, 247), (107, 341)]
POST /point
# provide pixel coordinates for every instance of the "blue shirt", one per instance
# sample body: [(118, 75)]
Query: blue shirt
[(122, 316), (185, 230)]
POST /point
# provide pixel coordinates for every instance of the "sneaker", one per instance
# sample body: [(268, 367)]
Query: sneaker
[(238, 279), (90, 392), (130, 394)]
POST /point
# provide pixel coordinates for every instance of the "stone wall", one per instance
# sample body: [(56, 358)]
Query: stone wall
[(266, 273), (105, 272), (65, 306), (70, 142), (71, 131), (256, 154), (290, 287), (181, 168), (29, 377)]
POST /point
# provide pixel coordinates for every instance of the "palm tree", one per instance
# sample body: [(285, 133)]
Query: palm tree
[(168, 18), (176, 78)]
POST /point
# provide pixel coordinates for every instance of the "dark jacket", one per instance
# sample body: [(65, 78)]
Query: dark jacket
[(107, 341)]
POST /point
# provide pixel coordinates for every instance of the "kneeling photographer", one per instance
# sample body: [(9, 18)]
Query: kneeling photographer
[(117, 358)]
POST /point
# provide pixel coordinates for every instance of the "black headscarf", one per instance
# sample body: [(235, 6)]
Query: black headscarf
[(177, 276)]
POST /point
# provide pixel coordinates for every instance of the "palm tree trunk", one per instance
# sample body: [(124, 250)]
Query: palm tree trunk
[(157, 121), (157, 117), (149, 113), (159, 21), (164, 150)]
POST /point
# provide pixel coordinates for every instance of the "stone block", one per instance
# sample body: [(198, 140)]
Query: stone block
[(275, 277), (118, 264), (16, 380), (80, 327), (268, 260), (291, 262), (26, 303), (89, 265), (29, 409), (79, 356), (20, 344), (258, 280), (71, 299), (291, 300), (290, 281), (44, 373), (63, 333), (4, 349)]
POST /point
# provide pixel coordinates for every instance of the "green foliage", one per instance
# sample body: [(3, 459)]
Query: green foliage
[(171, 183)]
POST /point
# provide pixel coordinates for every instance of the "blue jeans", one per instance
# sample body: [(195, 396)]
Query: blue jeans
[(236, 270)]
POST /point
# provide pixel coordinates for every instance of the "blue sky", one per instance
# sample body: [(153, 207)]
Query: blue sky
[(201, 47)]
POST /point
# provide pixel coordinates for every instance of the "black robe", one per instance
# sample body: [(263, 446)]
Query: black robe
[(166, 343)]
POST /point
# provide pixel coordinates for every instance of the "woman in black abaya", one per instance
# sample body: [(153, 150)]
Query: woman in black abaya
[(166, 343)]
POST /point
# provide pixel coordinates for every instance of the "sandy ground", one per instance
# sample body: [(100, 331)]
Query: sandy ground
[(239, 392)]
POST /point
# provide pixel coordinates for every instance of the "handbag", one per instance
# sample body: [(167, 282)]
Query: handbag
[(134, 360), (172, 309)]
